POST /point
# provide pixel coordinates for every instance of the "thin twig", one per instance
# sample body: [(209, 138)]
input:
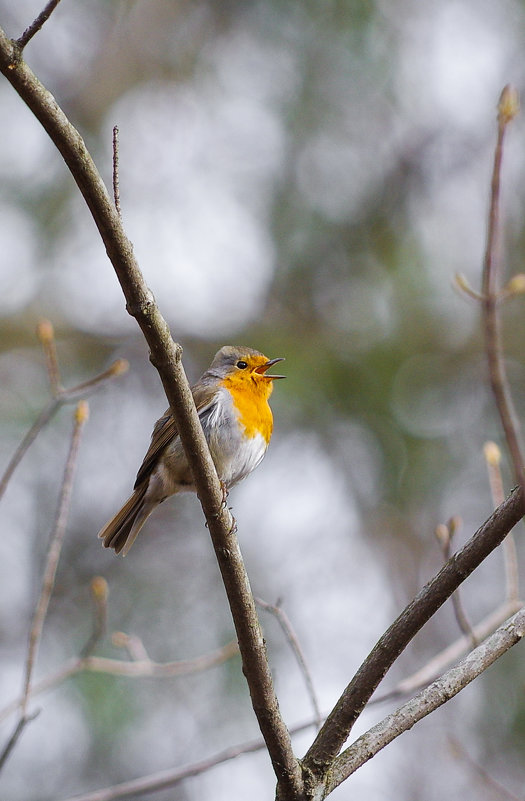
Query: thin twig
[(148, 668), (444, 535), (293, 641), (37, 24), (53, 555), (118, 367), (145, 668), (116, 179), (507, 110), (19, 728), (169, 778), (481, 774), (425, 702), (41, 421), (461, 283), (510, 556)]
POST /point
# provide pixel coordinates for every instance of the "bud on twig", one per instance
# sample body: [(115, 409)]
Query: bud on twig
[(119, 367), (509, 105), (82, 412), (99, 588), (45, 332), (492, 453)]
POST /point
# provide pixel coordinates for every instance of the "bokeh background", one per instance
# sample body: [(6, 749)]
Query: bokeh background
[(304, 178)]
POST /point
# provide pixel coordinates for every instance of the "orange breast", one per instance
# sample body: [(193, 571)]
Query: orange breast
[(250, 399)]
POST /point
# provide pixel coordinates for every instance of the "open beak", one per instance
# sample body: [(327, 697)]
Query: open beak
[(266, 366)]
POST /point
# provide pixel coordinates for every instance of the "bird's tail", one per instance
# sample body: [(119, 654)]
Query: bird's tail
[(122, 530)]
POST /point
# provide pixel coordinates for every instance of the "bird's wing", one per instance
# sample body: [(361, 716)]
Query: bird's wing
[(165, 431)]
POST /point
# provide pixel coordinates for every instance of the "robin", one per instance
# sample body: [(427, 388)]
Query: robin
[(232, 401)]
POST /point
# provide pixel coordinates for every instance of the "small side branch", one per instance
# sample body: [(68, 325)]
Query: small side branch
[(17, 733), (37, 24), (293, 641)]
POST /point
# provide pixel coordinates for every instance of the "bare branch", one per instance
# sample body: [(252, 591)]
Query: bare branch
[(507, 110), (19, 728), (435, 666), (146, 667), (41, 421), (289, 633), (169, 778), (166, 356), (37, 24), (339, 723), (53, 555), (483, 776), (428, 700), (132, 669)]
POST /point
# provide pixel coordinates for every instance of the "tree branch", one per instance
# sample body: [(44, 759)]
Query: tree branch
[(338, 725), (37, 24), (169, 778), (166, 356), (435, 666), (133, 668), (428, 700)]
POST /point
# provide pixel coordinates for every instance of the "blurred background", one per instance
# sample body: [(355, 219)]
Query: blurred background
[(304, 178)]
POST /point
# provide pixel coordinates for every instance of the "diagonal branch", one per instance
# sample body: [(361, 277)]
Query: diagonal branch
[(339, 723), (428, 700), (166, 356), (445, 658), (37, 24)]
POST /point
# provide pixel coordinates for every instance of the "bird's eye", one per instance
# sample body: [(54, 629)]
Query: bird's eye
[(242, 365)]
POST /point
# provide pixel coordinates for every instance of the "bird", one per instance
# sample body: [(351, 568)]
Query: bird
[(232, 403)]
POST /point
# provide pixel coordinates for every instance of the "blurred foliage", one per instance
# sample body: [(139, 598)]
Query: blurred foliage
[(305, 178)]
